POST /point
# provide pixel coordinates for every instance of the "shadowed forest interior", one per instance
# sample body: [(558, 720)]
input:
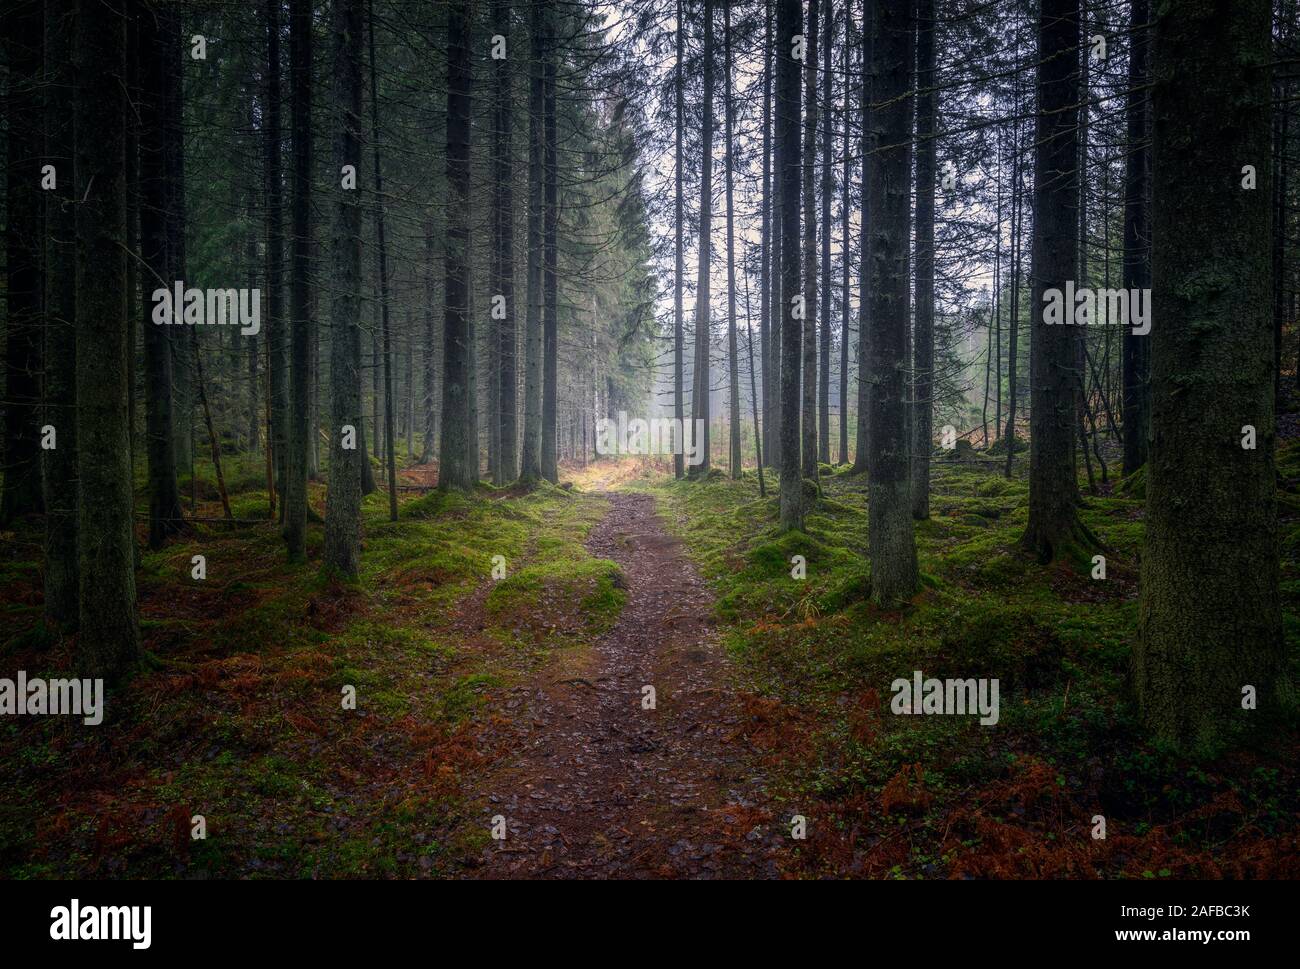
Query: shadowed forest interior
[(650, 439)]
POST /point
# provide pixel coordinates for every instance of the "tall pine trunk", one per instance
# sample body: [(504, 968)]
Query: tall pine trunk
[(828, 190), (808, 421), (454, 470), (59, 464), (300, 308), (700, 396), (789, 22), (1136, 350), (550, 255), (766, 273), (867, 145), (347, 453), (845, 194), (1209, 620), (923, 349), (277, 349), (382, 246), (1054, 529), (530, 458), (507, 466), (892, 542), (165, 515), (732, 348), (20, 493), (679, 246), (108, 643)]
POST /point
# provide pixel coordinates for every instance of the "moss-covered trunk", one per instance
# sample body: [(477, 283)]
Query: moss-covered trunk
[(1210, 621), (108, 643)]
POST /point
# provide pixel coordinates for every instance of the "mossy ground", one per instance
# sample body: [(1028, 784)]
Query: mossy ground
[(936, 796), (238, 714)]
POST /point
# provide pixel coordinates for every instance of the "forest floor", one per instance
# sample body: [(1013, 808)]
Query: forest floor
[(519, 698), (627, 757)]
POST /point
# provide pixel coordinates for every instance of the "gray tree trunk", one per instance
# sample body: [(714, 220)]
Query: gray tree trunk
[(343, 502), (1209, 620), (891, 540), (108, 643)]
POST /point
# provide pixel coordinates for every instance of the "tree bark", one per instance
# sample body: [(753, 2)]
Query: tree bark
[(277, 349), (766, 273), (454, 470), (24, 235), (507, 465), (342, 555), (923, 348), (789, 170), (808, 415), (1054, 528), (828, 190), (550, 269), (892, 543), (108, 643), (300, 308), (59, 464), (1210, 622), (530, 459), (1136, 350), (701, 392), (679, 247), (867, 146), (381, 241), (732, 347)]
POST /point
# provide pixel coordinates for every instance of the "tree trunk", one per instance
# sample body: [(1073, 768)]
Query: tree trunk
[(507, 466), (828, 190), (24, 234), (277, 350), (1210, 623), (789, 170), (428, 367), (701, 392), (766, 275), (890, 531), (165, 515), (808, 416), (844, 236), (454, 469), (923, 349), (550, 277), (381, 242), (1054, 528), (108, 643), (342, 555), (172, 48), (732, 348), (679, 248), (59, 464), (1136, 350), (300, 309), (867, 143), (530, 458)]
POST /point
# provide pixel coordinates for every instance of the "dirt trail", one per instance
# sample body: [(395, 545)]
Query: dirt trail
[(602, 788)]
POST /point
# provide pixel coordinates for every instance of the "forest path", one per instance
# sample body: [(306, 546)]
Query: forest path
[(602, 788)]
